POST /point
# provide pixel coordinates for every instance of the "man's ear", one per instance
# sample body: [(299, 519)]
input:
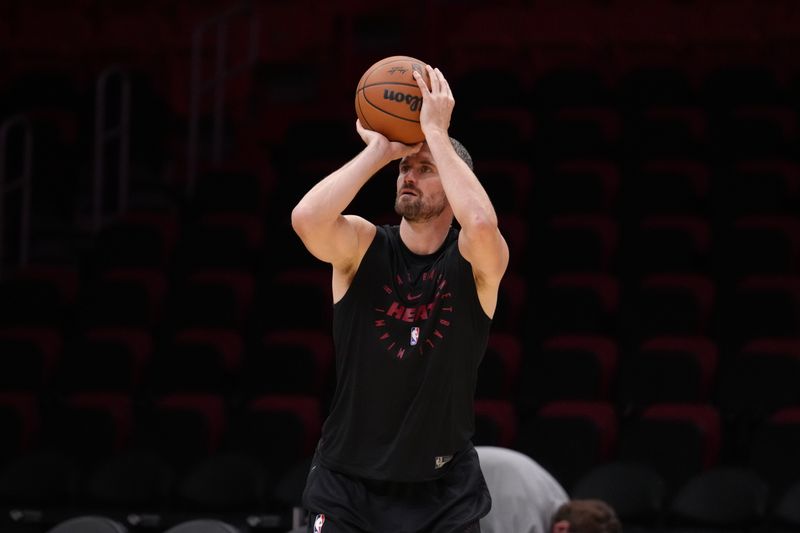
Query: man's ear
[(562, 526)]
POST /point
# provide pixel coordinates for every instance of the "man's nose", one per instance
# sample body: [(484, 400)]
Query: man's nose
[(410, 177)]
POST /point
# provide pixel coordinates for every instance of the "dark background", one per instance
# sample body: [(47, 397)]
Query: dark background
[(175, 359)]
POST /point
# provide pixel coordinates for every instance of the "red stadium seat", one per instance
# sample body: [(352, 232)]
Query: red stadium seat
[(584, 185), (280, 430), (90, 426), (20, 420), (569, 438), (765, 244), (668, 369), (672, 243), (29, 357), (139, 239), (584, 303), (291, 361), (211, 298), (569, 368), (499, 370), (106, 359), (124, 297), (678, 440), (580, 243), (760, 379), (183, 428), (672, 186), (39, 295), (764, 306), (495, 423), (773, 453), (201, 359), (674, 304), (761, 186)]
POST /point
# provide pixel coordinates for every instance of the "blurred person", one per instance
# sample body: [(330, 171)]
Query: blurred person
[(586, 516), (525, 496)]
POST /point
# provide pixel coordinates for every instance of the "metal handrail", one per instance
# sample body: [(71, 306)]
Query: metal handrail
[(216, 85), (103, 135), (23, 183)]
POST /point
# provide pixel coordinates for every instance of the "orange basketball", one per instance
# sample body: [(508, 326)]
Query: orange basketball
[(388, 99)]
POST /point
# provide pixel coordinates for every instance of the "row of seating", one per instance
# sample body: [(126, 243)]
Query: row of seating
[(95, 434), (722, 498), (739, 218), (675, 368), (642, 185), (727, 497), (134, 359), (243, 291), (106, 524), (561, 303), (249, 207), (86, 432), (299, 360), (655, 243), (508, 26), (541, 244), (678, 440), (525, 132)]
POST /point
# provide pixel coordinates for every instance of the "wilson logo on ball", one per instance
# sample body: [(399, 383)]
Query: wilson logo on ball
[(414, 102), (388, 99)]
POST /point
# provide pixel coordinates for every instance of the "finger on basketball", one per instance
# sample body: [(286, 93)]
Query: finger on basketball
[(434, 79), (389, 98)]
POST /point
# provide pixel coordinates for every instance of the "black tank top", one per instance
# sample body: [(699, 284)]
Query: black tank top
[(409, 335)]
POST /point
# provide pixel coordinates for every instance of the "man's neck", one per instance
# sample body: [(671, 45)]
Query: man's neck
[(424, 238)]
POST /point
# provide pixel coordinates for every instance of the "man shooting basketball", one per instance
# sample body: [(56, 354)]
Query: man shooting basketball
[(412, 311)]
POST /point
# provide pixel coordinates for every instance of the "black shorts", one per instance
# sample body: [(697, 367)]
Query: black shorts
[(454, 503)]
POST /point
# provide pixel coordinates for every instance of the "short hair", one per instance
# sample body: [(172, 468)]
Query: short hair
[(462, 153), (589, 516)]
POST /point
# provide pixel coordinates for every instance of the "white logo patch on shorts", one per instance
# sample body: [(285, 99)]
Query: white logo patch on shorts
[(318, 523), (441, 460)]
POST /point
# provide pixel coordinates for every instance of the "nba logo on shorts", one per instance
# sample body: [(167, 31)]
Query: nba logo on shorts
[(318, 523), (414, 336)]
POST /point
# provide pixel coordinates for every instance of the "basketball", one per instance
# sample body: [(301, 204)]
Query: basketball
[(388, 99)]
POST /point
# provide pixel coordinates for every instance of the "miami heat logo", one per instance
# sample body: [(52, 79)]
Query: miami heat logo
[(415, 316)]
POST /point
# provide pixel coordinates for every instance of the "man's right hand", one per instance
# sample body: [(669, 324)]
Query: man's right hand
[(391, 150)]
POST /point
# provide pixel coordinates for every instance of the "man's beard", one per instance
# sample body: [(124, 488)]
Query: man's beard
[(414, 209)]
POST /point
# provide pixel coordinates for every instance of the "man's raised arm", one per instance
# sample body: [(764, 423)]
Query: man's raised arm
[(318, 220)]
